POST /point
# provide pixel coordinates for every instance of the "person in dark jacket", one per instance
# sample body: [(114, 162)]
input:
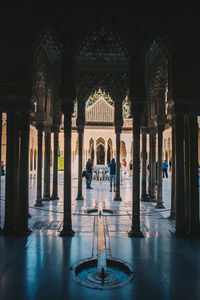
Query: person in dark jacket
[(89, 168), (112, 167)]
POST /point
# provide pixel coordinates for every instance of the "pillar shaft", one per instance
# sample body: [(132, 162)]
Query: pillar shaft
[(67, 222), (179, 176), (55, 167), (173, 198), (22, 212), (144, 167), (117, 195), (80, 163), (46, 195), (0, 160), (39, 168), (152, 166), (12, 173), (193, 177), (135, 228), (159, 170)]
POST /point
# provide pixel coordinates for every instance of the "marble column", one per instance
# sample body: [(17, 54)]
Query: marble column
[(46, 195), (118, 169), (179, 176), (194, 228), (95, 152), (173, 198), (80, 162), (0, 160), (152, 166), (55, 166), (67, 222), (105, 150), (23, 204), (39, 167), (135, 228), (159, 170), (12, 173), (144, 167)]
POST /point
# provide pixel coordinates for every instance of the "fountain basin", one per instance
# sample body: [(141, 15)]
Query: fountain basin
[(117, 274)]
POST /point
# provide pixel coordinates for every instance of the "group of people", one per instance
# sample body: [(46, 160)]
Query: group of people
[(112, 165), (88, 174)]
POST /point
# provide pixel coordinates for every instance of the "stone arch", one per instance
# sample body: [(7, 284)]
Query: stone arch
[(122, 150), (91, 149), (100, 151)]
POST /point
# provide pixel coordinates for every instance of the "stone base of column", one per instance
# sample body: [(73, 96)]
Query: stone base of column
[(135, 233), (145, 198), (172, 217), (79, 198), (46, 198), (117, 198), (54, 197), (159, 205), (194, 234), (14, 232), (67, 232), (38, 203), (152, 199), (181, 234)]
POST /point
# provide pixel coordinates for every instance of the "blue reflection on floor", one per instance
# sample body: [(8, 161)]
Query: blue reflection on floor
[(38, 266)]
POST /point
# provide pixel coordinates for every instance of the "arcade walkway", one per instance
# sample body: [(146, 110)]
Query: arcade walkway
[(38, 267)]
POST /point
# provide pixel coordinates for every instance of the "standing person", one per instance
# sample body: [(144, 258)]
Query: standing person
[(89, 168), (125, 165), (112, 167), (164, 168), (2, 169), (131, 168)]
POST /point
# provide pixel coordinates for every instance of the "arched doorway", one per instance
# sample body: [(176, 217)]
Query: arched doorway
[(100, 155), (91, 149)]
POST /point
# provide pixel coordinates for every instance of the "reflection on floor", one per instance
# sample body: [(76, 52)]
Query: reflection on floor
[(38, 267)]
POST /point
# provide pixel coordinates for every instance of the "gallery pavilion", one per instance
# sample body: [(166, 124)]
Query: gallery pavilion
[(58, 239)]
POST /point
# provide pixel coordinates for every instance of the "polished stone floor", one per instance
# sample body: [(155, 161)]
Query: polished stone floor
[(38, 266)]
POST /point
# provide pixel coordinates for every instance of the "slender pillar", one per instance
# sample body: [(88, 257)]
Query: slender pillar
[(23, 204), (39, 168), (46, 195), (67, 222), (152, 167), (12, 173), (135, 228), (105, 149), (0, 160), (194, 228), (80, 162), (173, 198), (55, 167), (95, 152), (144, 167), (117, 195), (179, 176), (159, 170)]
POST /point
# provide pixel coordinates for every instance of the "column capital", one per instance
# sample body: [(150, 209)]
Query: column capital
[(118, 129), (80, 129), (55, 128), (47, 128)]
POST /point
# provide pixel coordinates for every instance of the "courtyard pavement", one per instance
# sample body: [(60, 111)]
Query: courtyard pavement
[(38, 266)]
